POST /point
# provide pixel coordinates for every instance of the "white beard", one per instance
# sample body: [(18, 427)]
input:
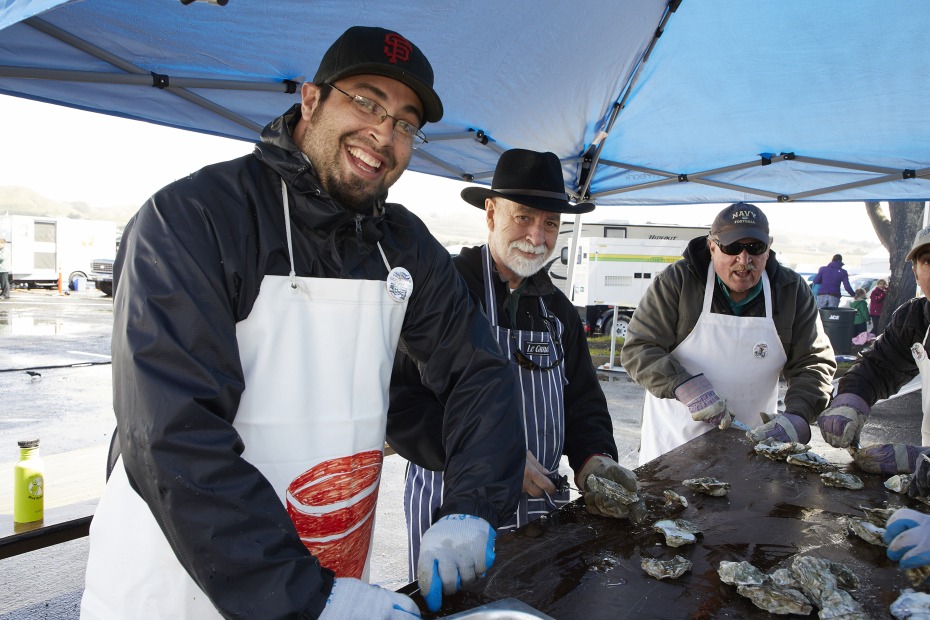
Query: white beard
[(523, 267)]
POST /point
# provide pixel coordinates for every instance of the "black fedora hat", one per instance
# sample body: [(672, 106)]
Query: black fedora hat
[(531, 179)]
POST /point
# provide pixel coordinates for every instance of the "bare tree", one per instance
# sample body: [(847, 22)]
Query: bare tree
[(896, 231)]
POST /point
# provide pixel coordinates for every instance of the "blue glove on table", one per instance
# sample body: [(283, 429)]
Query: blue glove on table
[(887, 458), (907, 535), (783, 427), (841, 423), (698, 395), (455, 550), (351, 599)]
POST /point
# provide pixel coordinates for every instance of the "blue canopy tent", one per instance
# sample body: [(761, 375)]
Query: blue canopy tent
[(645, 102)]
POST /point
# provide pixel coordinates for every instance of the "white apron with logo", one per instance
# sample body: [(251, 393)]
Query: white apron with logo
[(543, 405), (317, 356), (923, 365), (742, 357)]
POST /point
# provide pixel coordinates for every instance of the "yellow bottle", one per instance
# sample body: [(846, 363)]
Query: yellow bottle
[(28, 484)]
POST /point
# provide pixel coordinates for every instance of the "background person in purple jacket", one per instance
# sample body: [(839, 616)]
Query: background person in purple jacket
[(829, 277)]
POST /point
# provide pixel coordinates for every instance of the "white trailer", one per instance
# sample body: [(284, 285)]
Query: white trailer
[(39, 249), (614, 264)]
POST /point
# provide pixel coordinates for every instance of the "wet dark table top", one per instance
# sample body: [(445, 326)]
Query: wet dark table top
[(574, 565)]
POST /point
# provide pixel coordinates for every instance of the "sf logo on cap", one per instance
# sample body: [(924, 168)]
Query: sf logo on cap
[(396, 48)]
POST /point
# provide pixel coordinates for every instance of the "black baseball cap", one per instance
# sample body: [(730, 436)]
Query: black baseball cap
[(376, 51), (739, 221)]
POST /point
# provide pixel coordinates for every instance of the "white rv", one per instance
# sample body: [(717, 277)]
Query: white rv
[(39, 249), (614, 264)]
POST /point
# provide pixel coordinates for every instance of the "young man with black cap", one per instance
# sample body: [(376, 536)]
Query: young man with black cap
[(714, 331), (828, 279), (258, 306), (563, 408)]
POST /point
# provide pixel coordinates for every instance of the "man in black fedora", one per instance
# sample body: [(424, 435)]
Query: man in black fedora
[(563, 407)]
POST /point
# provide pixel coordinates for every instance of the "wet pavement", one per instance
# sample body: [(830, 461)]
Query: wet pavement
[(55, 379)]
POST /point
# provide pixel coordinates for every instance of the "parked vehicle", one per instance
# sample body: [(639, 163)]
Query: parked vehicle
[(102, 273), (865, 281), (614, 264), (41, 250)]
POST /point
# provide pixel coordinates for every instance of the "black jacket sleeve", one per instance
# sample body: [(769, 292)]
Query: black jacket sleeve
[(888, 365)]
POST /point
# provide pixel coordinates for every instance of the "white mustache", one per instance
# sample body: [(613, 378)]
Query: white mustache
[(748, 267), (523, 246)]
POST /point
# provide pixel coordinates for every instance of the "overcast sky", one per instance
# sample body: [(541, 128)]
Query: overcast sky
[(70, 155)]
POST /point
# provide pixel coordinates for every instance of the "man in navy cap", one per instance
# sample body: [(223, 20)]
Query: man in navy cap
[(258, 305), (563, 408), (715, 331)]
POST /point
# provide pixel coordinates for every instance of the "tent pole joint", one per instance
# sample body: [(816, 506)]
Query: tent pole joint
[(908, 174), (682, 178), (160, 80)]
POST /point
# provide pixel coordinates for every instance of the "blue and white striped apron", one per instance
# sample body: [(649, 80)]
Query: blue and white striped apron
[(543, 422)]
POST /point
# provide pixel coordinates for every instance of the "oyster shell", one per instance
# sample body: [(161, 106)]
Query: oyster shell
[(783, 579), (899, 483), (779, 450), (845, 577), (811, 460), (708, 486), (866, 531), (740, 574), (918, 575), (841, 480), (678, 532), (911, 604), (820, 585), (661, 569), (777, 600), (674, 500), (613, 490), (877, 516)]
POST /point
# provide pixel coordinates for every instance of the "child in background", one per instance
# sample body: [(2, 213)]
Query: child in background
[(876, 303), (861, 306)]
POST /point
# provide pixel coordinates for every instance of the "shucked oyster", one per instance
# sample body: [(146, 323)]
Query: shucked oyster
[(877, 516), (779, 450), (811, 460), (708, 486), (661, 569), (678, 532), (740, 574), (899, 483), (674, 500), (841, 480), (866, 531), (777, 600)]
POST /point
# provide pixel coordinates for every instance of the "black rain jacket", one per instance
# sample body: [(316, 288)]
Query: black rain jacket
[(189, 268)]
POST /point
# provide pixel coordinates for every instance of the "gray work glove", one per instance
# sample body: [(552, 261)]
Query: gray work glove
[(698, 395), (783, 427), (456, 550), (887, 458), (351, 599), (596, 500), (841, 423)]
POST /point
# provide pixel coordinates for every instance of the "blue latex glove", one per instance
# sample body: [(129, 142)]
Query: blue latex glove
[(783, 427), (907, 535), (351, 599), (887, 458), (698, 395), (841, 423), (920, 480), (455, 550)]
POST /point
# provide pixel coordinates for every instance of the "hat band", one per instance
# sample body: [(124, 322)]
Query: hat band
[(532, 192)]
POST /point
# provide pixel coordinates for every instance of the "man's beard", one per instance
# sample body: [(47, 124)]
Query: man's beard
[(523, 267)]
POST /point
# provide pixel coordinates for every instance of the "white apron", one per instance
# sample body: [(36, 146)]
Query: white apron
[(741, 356), (317, 355), (923, 365), (543, 409)]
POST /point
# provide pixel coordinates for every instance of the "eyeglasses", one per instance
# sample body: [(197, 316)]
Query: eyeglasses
[(755, 248), (375, 113), (523, 360)]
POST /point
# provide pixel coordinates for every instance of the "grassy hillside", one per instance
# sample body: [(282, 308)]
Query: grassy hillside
[(16, 200)]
